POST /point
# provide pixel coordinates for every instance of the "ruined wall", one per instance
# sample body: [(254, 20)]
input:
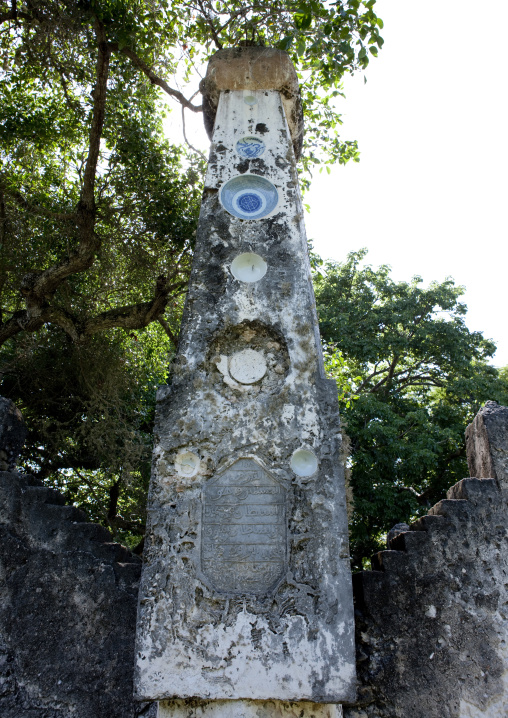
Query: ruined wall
[(432, 617), (67, 610)]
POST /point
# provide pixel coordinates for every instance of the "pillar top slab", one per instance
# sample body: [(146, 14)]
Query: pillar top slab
[(254, 68)]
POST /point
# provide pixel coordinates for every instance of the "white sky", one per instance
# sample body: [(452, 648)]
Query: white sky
[(429, 196)]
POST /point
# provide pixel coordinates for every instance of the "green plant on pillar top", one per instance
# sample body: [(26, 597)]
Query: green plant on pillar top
[(325, 42)]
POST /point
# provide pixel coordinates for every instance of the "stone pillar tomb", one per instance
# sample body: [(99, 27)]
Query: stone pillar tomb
[(246, 602)]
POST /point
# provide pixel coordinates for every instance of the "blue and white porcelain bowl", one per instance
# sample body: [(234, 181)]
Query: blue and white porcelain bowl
[(249, 197), (250, 147)]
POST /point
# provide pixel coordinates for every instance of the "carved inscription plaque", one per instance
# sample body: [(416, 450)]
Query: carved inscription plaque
[(243, 542)]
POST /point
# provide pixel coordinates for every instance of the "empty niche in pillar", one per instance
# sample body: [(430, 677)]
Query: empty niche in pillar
[(244, 530), (247, 359), (249, 197)]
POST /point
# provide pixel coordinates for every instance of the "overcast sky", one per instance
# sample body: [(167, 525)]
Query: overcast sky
[(429, 196)]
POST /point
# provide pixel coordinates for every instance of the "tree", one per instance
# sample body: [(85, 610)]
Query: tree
[(98, 211), (411, 377)]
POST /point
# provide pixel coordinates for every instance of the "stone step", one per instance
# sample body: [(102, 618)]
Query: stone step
[(389, 561), (43, 495), (428, 523), (90, 532), (53, 524), (64, 514), (451, 508), (475, 490), (409, 541)]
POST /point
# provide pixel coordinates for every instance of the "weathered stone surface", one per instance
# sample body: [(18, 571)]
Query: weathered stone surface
[(247, 709), (431, 618), (250, 615), (67, 610), (244, 530), (487, 443), (394, 532), (12, 434), (254, 68)]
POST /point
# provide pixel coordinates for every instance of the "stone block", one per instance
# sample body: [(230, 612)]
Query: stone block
[(487, 443), (67, 612), (247, 709), (254, 68)]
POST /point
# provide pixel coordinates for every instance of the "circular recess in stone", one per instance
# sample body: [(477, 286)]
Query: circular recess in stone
[(248, 267), (250, 100), (249, 197), (187, 464), (247, 366), (304, 462), (250, 147)]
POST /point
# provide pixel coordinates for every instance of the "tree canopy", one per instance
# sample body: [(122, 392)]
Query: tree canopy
[(97, 218), (411, 377), (98, 211)]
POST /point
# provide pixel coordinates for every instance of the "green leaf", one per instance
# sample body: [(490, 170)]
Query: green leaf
[(286, 42), (303, 21)]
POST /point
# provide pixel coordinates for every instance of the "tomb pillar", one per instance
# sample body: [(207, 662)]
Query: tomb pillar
[(245, 602)]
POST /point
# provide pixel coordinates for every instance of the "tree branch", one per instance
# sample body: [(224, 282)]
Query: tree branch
[(164, 324), (89, 242), (155, 79), (87, 203), (186, 140), (36, 209), (31, 320), (39, 287), (134, 316), (392, 367), (210, 25), (14, 14)]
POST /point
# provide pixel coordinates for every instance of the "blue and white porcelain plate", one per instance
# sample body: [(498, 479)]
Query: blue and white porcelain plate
[(249, 197), (250, 147)]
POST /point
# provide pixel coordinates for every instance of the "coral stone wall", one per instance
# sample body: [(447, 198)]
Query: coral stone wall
[(432, 617), (67, 610)]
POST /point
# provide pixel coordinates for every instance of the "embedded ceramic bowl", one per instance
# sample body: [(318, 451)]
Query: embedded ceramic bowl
[(250, 147), (249, 197)]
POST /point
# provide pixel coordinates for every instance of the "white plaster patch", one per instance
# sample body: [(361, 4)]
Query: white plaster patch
[(247, 366), (431, 612), (288, 413), (187, 464)]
